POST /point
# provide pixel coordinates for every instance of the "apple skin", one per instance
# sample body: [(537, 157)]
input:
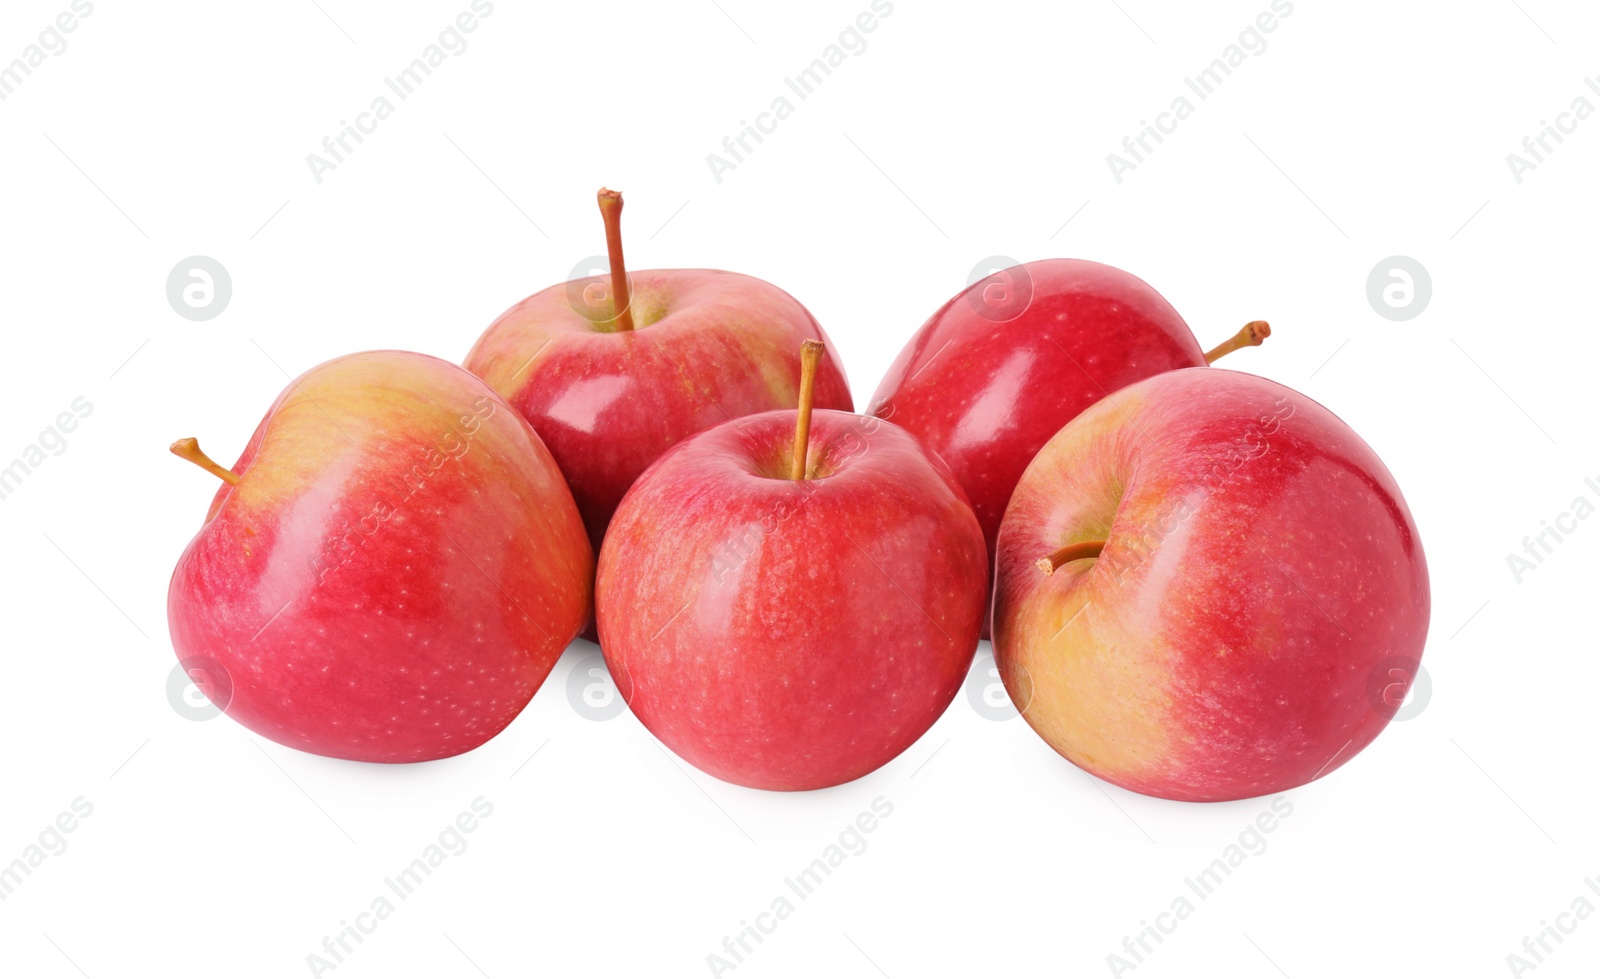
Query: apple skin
[(707, 346), (396, 572), (1260, 569), (785, 634), (985, 383)]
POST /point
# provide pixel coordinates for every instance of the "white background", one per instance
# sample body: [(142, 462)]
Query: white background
[(1364, 130)]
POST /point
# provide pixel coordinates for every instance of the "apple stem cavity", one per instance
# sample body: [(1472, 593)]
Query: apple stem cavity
[(611, 211), (1249, 335), (810, 354), (1071, 552), (190, 449)]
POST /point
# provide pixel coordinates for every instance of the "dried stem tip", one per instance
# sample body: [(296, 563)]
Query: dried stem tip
[(1249, 335), (1072, 552), (190, 449)]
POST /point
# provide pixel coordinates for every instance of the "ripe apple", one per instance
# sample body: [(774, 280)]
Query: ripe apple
[(1198, 585), (390, 569), (789, 600), (612, 378), (1002, 366)]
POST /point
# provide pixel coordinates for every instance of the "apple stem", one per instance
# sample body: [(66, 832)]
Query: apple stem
[(810, 354), (190, 449), (611, 211), (1249, 335), (1072, 552)]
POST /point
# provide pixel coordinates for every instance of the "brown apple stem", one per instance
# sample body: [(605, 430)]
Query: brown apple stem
[(810, 354), (1249, 335), (611, 211), (1072, 552), (190, 449)]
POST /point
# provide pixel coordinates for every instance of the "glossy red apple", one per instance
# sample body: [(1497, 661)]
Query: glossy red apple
[(1206, 589), (1002, 366), (792, 627), (612, 378), (390, 569)]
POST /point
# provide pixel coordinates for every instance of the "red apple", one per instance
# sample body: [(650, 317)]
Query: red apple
[(788, 601), (1204, 587), (613, 378), (1002, 366), (390, 569)]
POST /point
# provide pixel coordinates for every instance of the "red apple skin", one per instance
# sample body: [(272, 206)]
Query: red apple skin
[(986, 387), (785, 634), (1260, 570), (396, 572), (707, 346)]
